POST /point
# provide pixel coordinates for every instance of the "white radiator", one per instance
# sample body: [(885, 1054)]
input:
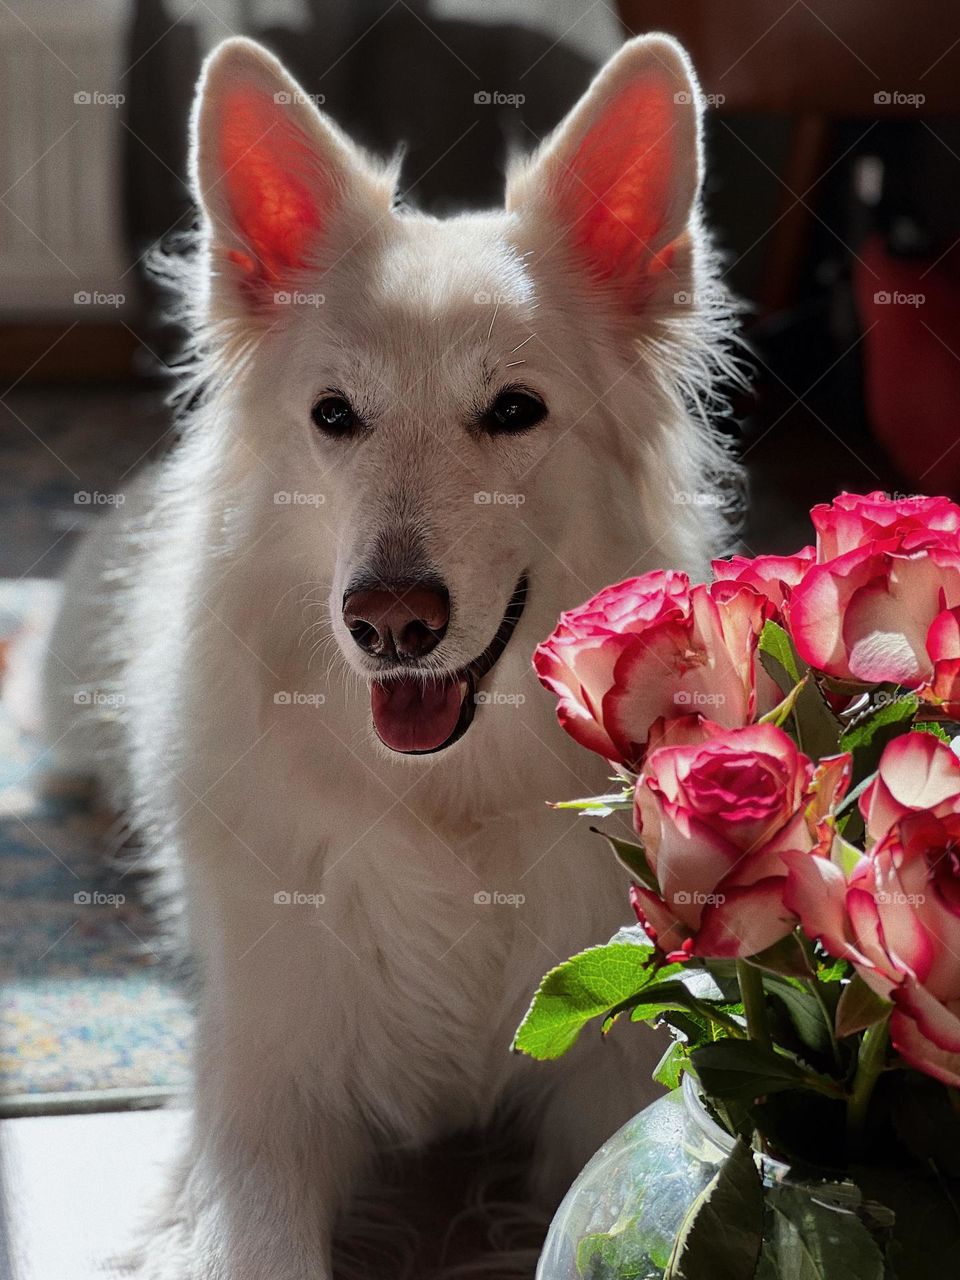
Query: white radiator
[(62, 70)]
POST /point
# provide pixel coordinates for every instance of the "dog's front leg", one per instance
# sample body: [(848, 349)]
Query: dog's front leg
[(268, 1169)]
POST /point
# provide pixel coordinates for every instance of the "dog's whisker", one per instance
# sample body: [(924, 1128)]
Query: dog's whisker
[(493, 318)]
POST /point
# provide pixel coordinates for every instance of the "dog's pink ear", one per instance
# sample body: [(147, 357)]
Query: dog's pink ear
[(272, 174), (619, 177)]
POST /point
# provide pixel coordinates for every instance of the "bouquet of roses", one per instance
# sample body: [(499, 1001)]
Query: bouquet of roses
[(782, 739)]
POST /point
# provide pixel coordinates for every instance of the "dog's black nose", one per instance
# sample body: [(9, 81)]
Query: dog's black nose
[(398, 621)]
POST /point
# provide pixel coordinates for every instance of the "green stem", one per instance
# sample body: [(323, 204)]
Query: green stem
[(873, 1049), (754, 1002)]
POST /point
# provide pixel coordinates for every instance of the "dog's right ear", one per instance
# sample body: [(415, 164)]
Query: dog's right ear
[(616, 183), (274, 177)]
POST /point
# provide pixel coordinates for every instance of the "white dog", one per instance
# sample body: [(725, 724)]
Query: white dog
[(411, 443)]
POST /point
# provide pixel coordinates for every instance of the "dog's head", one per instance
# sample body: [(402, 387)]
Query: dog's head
[(463, 425)]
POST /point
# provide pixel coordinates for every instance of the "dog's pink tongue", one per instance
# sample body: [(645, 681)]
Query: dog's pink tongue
[(412, 716)]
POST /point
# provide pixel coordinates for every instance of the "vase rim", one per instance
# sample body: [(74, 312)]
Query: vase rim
[(715, 1133)]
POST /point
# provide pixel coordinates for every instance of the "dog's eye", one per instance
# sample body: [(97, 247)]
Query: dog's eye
[(334, 416), (513, 412)]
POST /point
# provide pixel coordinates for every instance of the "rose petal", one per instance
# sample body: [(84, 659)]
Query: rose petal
[(828, 786), (921, 1053), (743, 921), (816, 892), (916, 772), (772, 576), (943, 638), (852, 520), (935, 1021), (669, 933)]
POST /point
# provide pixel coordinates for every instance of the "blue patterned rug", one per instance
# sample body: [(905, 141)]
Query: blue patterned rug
[(85, 1002)]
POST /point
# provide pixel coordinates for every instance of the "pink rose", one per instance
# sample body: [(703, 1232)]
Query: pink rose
[(715, 819), (917, 773), (896, 914), (852, 520), (773, 576), (653, 647), (943, 648), (876, 613)]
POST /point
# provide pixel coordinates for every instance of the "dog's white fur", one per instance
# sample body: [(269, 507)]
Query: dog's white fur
[(384, 1016)]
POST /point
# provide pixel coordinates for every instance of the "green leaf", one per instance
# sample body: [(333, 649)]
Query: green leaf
[(802, 1009), (582, 988), (807, 1240), (633, 857), (659, 998), (867, 738), (652, 1000), (633, 1249), (786, 957), (831, 970), (818, 729), (743, 1070), (859, 1007), (669, 1070), (778, 658), (619, 1252), (721, 1235)]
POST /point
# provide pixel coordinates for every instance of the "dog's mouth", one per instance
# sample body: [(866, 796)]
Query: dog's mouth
[(421, 713)]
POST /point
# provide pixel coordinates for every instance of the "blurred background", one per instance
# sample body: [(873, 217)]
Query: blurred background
[(832, 191)]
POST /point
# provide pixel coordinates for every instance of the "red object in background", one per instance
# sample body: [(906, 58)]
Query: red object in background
[(910, 312)]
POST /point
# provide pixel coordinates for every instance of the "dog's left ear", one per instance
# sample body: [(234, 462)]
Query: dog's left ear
[(276, 179), (617, 182)]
